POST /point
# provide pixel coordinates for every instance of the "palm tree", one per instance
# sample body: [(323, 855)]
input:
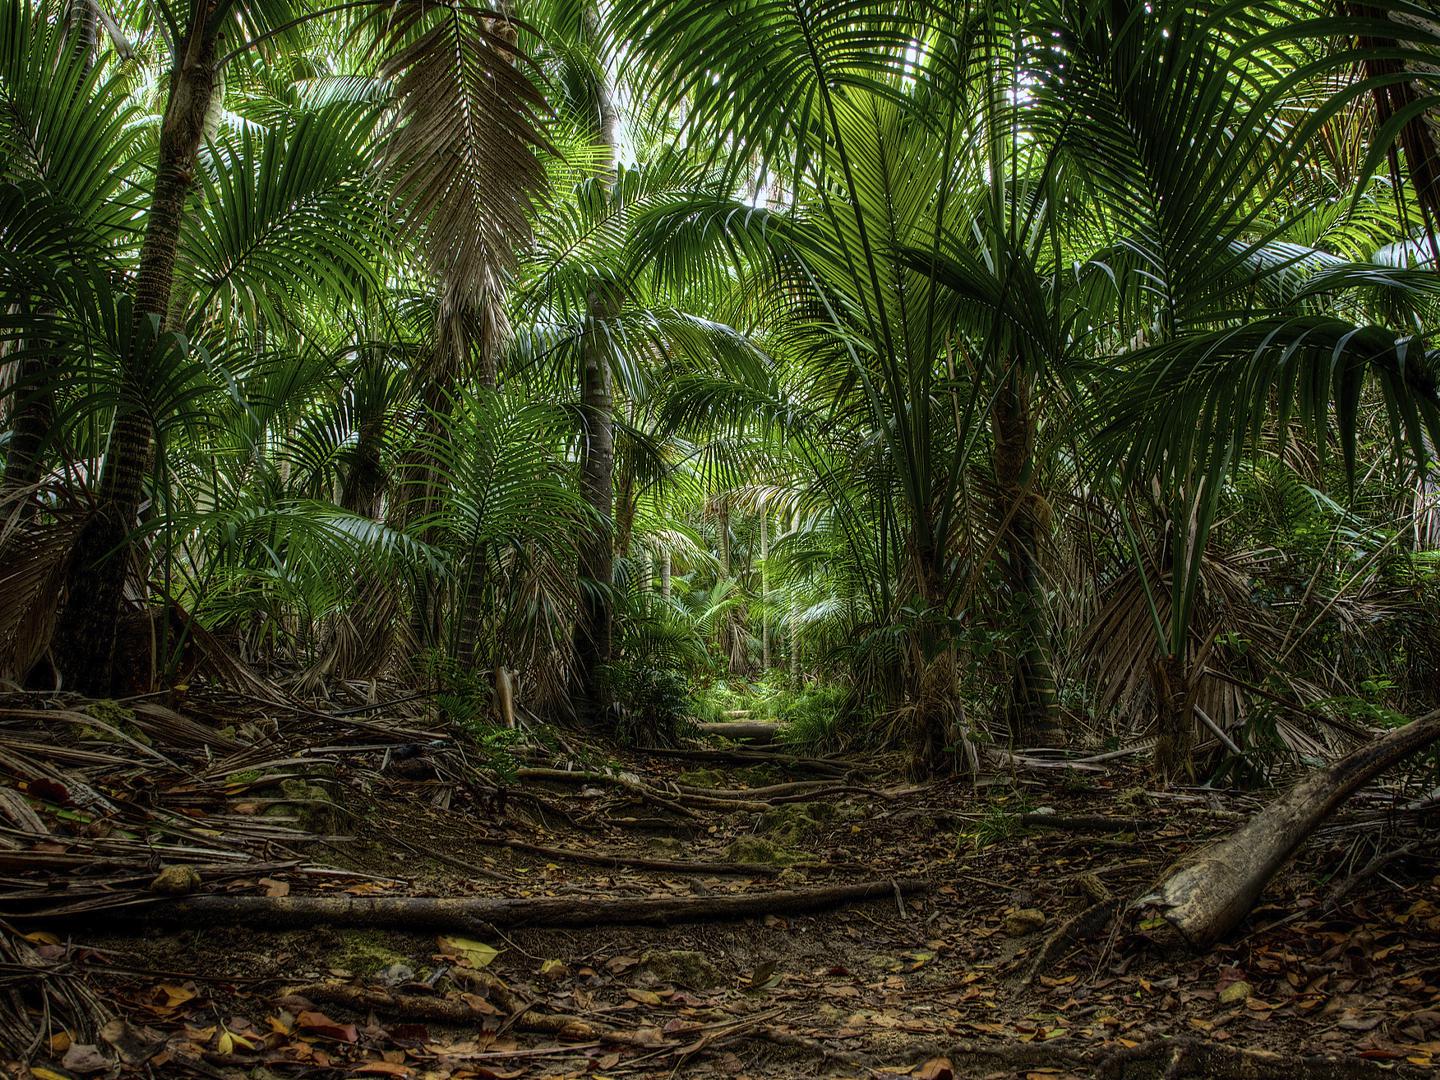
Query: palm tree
[(446, 153)]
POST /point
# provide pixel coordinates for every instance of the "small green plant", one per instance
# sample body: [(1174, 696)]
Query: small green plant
[(816, 719), (652, 702), (1000, 821), (463, 695), (466, 698)]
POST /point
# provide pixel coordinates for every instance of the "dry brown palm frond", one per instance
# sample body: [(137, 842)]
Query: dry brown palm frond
[(462, 150), (360, 640), (43, 996), (34, 556), (1120, 645), (221, 663)]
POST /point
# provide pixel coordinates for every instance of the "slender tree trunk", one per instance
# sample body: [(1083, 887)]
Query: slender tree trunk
[(594, 627), (666, 569), (85, 637), (594, 622), (764, 591), (1174, 754), (625, 509), (1034, 712), (82, 24), (937, 714), (30, 421), (728, 631)]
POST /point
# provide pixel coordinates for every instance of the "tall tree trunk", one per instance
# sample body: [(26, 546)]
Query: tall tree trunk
[(594, 621), (666, 570), (82, 24), (764, 590), (1033, 710), (594, 624), (85, 637), (625, 509), (30, 421)]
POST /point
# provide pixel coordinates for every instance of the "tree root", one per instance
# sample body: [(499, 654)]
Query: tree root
[(1188, 1057), (680, 801), (1170, 1059), (633, 862), (509, 1008), (1085, 926), (471, 913)]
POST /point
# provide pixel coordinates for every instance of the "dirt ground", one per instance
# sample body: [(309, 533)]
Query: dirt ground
[(974, 977)]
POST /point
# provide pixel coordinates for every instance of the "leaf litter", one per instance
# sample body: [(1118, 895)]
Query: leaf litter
[(255, 799)]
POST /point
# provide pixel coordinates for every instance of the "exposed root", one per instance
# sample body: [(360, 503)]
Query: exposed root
[(513, 1011), (1187, 1057), (677, 805), (633, 862)]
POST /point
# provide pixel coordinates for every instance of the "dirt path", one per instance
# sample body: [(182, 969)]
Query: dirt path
[(932, 985)]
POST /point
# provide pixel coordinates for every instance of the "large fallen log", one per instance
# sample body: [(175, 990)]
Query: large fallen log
[(744, 756), (477, 913), (1204, 896), (758, 732)]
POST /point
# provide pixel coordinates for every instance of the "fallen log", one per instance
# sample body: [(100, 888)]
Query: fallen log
[(479, 913), (1204, 896), (751, 731), (740, 756)]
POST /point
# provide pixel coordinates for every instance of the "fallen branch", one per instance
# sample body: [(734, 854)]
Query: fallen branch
[(1206, 895), (1340, 892), (1084, 823), (475, 913)]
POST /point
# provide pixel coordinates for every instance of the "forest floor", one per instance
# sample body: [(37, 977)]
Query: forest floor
[(967, 971)]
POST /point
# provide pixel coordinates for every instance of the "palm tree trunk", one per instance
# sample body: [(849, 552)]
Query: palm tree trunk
[(1033, 709), (595, 618), (30, 421), (1418, 135), (82, 23), (1175, 726), (937, 712), (85, 637), (764, 591), (594, 622), (625, 509)]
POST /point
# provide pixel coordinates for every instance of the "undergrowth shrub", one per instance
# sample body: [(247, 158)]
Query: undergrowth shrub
[(651, 701)]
